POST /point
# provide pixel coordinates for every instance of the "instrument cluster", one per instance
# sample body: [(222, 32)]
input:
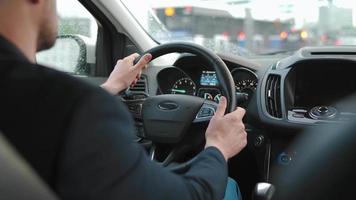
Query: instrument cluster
[(204, 83)]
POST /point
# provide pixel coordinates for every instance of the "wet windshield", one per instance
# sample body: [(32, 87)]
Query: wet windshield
[(247, 27)]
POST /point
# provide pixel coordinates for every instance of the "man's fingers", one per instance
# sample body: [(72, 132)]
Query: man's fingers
[(240, 110), (135, 82), (143, 61), (139, 75), (220, 111), (132, 57), (239, 113)]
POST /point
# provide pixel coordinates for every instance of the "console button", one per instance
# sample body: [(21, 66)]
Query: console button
[(298, 115), (259, 140), (284, 159)]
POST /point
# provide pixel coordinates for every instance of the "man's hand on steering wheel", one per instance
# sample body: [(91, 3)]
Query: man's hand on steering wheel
[(227, 132), (125, 73)]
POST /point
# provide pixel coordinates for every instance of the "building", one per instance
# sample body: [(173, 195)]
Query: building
[(332, 18)]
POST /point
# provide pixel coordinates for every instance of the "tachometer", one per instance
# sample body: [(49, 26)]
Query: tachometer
[(184, 86), (245, 80), (246, 86)]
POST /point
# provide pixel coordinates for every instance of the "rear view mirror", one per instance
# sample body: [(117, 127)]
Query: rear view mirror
[(69, 54)]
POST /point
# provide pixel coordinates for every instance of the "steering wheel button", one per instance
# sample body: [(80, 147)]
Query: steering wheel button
[(205, 111), (201, 115)]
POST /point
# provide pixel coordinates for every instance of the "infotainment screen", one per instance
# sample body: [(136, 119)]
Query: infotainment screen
[(208, 78), (324, 85)]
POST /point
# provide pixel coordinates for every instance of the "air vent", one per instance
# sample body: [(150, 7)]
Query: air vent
[(141, 85), (273, 95)]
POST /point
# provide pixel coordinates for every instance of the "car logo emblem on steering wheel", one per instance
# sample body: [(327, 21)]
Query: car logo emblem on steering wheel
[(168, 105)]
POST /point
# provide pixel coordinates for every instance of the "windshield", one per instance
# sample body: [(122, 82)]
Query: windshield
[(248, 27)]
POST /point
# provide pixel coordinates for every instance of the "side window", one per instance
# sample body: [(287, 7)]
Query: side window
[(74, 51)]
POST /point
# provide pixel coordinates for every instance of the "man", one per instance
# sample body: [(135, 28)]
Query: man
[(78, 137)]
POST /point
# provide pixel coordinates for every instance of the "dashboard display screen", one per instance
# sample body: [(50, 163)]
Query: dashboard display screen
[(325, 85), (208, 78)]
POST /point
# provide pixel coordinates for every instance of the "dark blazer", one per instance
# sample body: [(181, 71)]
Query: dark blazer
[(80, 139)]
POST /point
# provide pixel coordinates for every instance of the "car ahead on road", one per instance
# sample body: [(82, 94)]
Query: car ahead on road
[(287, 88)]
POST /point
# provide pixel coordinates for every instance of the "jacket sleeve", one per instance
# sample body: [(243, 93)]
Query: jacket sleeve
[(100, 160)]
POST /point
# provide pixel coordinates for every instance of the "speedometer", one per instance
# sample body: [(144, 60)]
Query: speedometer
[(184, 86), (246, 86), (245, 81)]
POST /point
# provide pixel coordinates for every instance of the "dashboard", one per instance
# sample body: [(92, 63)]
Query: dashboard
[(295, 91), (197, 79), (300, 89)]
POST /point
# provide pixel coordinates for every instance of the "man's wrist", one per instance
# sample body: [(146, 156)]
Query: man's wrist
[(114, 90), (218, 149)]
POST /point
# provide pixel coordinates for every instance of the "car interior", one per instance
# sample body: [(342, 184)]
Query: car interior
[(299, 125)]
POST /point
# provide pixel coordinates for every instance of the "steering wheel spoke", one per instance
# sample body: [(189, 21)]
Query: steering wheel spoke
[(174, 154), (206, 112), (135, 107)]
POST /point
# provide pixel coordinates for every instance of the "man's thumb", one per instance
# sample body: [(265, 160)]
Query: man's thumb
[(220, 111)]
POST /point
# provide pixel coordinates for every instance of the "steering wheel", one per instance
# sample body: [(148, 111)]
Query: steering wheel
[(324, 167), (166, 118)]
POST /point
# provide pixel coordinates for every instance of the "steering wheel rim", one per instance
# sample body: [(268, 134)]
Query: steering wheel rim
[(153, 115), (223, 74), (167, 117)]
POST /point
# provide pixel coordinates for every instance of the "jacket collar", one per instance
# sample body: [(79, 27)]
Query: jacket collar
[(9, 51)]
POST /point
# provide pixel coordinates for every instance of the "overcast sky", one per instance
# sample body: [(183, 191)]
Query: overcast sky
[(303, 10), (71, 8)]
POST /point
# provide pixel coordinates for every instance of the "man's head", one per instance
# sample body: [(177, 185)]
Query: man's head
[(30, 24)]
